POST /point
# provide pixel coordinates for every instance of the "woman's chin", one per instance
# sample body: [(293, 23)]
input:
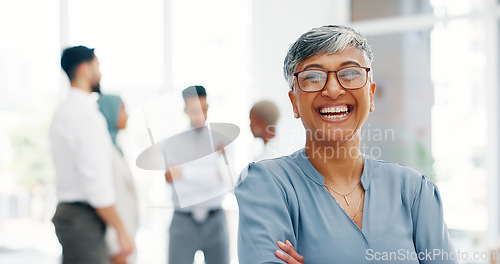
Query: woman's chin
[(330, 137), (331, 134)]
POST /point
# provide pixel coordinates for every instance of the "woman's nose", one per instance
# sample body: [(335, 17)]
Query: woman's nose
[(333, 88)]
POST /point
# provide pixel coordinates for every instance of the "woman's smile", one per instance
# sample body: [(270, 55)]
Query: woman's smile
[(335, 113)]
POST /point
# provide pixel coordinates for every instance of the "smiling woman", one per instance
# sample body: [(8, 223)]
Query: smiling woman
[(328, 202)]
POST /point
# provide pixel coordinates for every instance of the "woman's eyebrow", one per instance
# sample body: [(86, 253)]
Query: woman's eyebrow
[(345, 63), (313, 66), (319, 66)]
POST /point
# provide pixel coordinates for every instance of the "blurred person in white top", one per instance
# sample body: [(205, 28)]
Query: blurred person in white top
[(81, 149), (198, 187), (264, 116)]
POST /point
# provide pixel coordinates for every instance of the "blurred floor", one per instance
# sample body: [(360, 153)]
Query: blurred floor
[(26, 241), (25, 256)]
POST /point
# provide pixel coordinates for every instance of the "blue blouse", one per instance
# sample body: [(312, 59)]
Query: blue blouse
[(285, 198)]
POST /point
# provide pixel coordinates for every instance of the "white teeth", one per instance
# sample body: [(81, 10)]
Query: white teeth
[(341, 109), (336, 116)]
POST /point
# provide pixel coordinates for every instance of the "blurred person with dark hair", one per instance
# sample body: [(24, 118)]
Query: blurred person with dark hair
[(81, 149), (264, 116), (84, 76), (113, 109), (329, 202), (199, 222)]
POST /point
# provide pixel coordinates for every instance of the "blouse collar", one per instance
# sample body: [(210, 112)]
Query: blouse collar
[(301, 159)]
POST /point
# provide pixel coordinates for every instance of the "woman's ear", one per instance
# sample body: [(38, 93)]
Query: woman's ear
[(293, 100), (372, 95)]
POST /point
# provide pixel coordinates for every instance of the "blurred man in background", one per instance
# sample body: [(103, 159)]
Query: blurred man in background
[(81, 149), (198, 186), (264, 116)]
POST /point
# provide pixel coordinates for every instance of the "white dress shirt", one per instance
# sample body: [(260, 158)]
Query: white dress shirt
[(204, 179), (202, 183), (81, 150), (274, 148)]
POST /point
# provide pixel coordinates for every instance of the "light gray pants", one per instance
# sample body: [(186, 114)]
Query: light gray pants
[(187, 236), (81, 234)]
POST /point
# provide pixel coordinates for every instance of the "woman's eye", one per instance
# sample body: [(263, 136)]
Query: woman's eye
[(314, 77), (350, 74)]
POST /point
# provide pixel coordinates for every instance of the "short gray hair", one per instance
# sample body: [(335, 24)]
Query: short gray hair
[(324, 40), (267, 111)]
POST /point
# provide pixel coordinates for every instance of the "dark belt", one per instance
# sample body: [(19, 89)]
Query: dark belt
[(210, 213), (82, 204)]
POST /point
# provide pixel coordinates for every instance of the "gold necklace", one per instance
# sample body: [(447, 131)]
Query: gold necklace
[(343, 195), (357, 208), (359, 203)]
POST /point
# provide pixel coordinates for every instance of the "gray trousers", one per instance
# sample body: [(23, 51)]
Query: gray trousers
[(187, 236), (81, 234)]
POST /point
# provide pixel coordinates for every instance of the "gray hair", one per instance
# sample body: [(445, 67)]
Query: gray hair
[(267, 111), (324, 40)]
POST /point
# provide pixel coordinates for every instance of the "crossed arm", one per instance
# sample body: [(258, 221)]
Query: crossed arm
[(266, 229)]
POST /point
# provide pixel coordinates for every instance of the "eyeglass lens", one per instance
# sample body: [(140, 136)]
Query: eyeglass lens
[(349, 78)]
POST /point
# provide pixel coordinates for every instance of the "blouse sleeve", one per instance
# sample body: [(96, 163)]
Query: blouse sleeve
[(264, 216), (430, 234)]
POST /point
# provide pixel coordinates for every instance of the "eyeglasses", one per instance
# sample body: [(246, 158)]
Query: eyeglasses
[(315, 80)]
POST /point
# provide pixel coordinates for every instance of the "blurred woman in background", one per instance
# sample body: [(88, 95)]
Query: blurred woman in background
[(113, 109)]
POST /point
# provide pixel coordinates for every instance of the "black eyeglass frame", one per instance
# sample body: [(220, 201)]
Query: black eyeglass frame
[(367, 70)]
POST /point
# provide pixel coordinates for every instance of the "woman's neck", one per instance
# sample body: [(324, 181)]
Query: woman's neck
[(341, 163)]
